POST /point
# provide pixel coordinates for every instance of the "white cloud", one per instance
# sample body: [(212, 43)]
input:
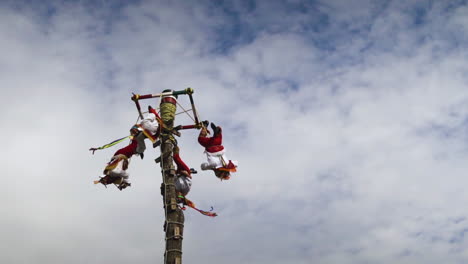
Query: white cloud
[(350, 152)]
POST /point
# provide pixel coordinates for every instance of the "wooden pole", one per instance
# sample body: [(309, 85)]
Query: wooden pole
[(174, 224)]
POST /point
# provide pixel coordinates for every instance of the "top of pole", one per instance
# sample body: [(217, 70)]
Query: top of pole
[(137, 97), (189, 90)]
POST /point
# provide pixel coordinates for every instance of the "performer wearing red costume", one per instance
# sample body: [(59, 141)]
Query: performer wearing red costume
[(116, 170), (183, 181), (215, 153)]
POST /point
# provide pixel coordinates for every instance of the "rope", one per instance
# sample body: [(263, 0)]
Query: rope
[(185, 111), (174, 250), (175, 223), (175, 237), (138, 118)]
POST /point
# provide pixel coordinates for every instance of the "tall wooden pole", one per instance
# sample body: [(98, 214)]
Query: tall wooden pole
[(174, 224)]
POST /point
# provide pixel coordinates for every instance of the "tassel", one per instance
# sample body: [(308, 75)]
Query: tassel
[(192, 205)]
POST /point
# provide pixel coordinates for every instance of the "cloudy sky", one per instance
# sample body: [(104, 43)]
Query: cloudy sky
[(349, 120)]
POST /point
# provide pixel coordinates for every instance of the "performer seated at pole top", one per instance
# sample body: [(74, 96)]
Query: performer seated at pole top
[(215, 153), (115, 171)]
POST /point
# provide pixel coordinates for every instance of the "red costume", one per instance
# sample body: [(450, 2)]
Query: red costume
[(212, 144), (182, 182), (215, 153), (129, 150), (116, 169), (181, 166)]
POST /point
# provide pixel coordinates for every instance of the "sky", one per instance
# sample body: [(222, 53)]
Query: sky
[(349, 120)]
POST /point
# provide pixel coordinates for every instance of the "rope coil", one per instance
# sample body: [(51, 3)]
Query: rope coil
[(175, 237), (174, 250), (175, 223), (171, 250)]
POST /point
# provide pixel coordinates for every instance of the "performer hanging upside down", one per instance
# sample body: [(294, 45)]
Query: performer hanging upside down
[(115, 171), (183, 184), (215, 153), (183, 181)]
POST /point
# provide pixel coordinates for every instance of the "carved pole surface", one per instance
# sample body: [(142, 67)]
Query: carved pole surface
[(174, 224)]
